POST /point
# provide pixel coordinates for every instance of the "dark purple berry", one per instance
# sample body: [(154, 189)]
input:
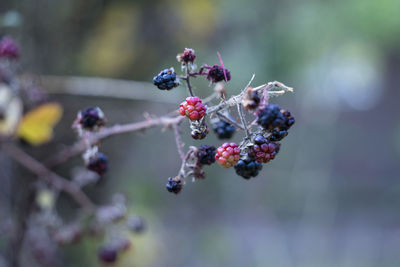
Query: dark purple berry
[(107, 254), (262, 150), (224, 130), (8, 48), (277, 134), (98, 163), (270, 117), (91, 117), (206, 154), (174, 185), (248, 168), (199, 133), (166, 79), (216, 74)]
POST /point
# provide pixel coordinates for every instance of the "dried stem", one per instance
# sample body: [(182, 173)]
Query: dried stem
[(243, 119), (229, 120), (189, 86), (50, 177), (178, 140)]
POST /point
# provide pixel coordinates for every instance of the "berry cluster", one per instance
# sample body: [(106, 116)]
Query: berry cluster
[(193, 108), (263, 151), (257, 148), (224, 130), (206, 154), (248, 168), (228, 155), (166, 79), (174, 185)]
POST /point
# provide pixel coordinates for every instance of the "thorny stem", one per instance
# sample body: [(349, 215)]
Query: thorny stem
[(243, 119), (189, 86), (52, 178), (229, 120), (178, 140)]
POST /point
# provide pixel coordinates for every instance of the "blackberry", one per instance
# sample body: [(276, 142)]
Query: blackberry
[(289, 119), (166, 79), (206, 154), (216, 74), (174, 185), (188, 56), (262, 150), (91, 118), (270, 117), (277, 134), (98, 163), (224, 130), (248, 168), (107, 254), (228, 155)]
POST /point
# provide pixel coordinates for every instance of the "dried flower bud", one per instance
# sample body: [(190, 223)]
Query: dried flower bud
[(250, 100), (188, 56)]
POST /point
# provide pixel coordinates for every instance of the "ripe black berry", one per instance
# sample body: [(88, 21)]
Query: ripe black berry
[(248, 168), (166, 79), (289, 119), (174, 185), (199, 131), (224, 130), (216, 74), (107, 254), (91, 117), (98, 163), (270, 117), (206, 154), (277, 134)]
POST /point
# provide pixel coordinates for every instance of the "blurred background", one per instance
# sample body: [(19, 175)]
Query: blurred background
[(330, 198)]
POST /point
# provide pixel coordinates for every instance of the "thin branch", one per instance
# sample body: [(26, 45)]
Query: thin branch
[(189, 86), (178, 140), (80, 146), (229, 120), (243, 119), (52, 178)]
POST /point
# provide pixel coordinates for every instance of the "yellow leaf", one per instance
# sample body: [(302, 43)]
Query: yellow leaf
[(36, 127)]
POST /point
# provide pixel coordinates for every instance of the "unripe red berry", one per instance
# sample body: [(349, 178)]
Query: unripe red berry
[(193, 108), (228, 155)]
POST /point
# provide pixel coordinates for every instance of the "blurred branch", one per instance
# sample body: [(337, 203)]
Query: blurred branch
[(52, 178), (106, 87)]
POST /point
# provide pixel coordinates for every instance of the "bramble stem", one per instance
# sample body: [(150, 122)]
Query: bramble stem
[(178, 140), (52, 178), (189, 86), (243, 119), (229, 120)]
